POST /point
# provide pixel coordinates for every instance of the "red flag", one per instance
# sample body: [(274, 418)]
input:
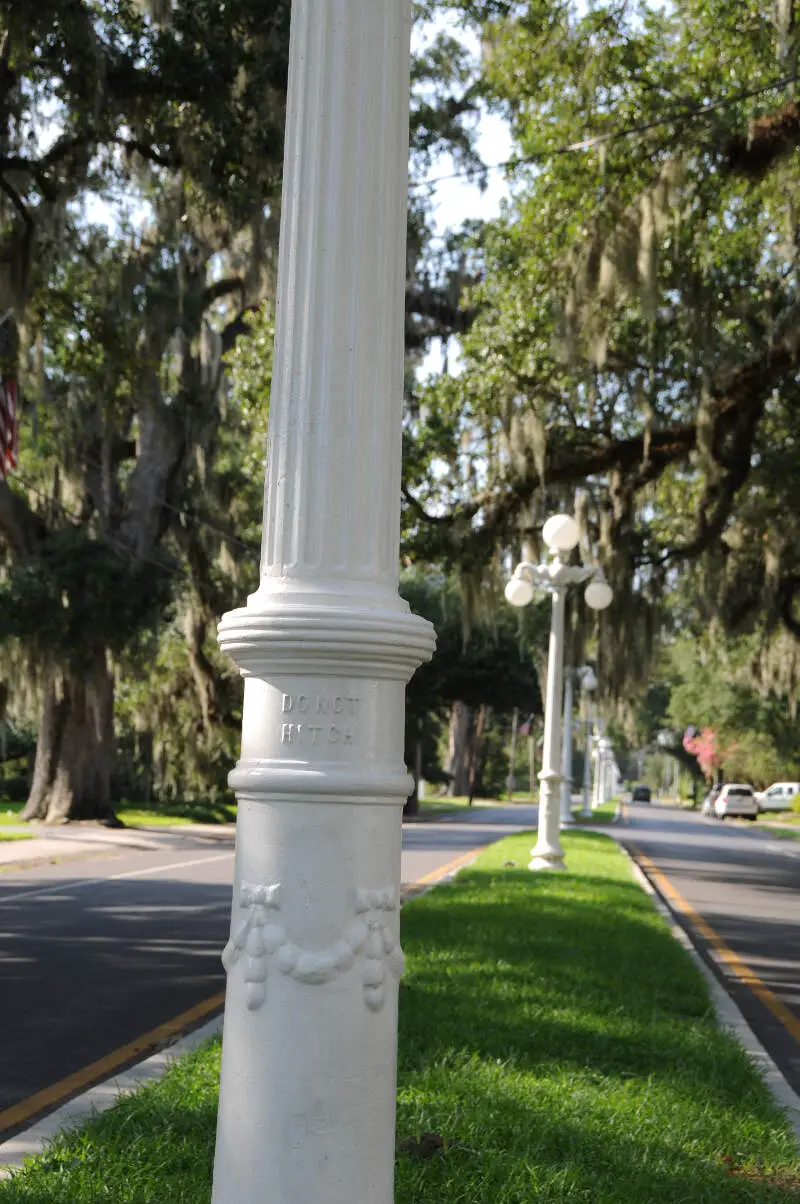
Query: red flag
[(9, 427)]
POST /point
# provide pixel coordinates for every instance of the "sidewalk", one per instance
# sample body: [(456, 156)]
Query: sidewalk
[(71, 842)]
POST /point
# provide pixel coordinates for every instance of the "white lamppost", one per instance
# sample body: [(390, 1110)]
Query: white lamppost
[(326, 647), (566, 753), (561, 535), (582, 676), (588, 684)]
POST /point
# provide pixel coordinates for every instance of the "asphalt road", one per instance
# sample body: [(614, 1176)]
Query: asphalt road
[(745, 884), (98, 952)]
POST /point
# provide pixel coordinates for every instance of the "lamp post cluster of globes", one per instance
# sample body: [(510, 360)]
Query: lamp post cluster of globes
[(555, 575)]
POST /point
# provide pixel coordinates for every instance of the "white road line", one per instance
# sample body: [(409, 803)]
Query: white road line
[(78, 884)]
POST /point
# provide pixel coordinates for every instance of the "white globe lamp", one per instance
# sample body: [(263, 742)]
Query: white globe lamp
[(519, 591), (561, 533), (588, 679), (599, 595)]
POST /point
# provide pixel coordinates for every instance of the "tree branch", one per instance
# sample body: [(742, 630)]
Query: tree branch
[(135, 146), (789, 589), (738, 398), (222, 288), (20, 527), (769, 138), (16, 201)]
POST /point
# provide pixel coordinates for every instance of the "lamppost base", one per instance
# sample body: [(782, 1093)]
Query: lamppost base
[(546, 860)]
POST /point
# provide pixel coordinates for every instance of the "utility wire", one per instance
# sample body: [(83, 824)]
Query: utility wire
[(115, 543), (675, 118), (195, 518), (183, 514)]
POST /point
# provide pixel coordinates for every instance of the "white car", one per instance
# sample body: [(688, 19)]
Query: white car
[(736, 799), (778, 797)]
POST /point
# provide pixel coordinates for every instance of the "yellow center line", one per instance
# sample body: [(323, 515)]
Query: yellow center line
[(443, 870), (105, 1066), (732, 960)]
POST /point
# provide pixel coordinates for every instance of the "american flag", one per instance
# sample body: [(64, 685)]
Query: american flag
[(9, 429)]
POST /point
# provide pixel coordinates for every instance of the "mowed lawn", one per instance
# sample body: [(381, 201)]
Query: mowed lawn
[(555, 1039)]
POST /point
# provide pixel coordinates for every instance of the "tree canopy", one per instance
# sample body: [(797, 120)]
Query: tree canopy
[(627, 335), (633, 315)]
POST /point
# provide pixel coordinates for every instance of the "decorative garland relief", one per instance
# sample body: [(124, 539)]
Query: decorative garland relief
[(259, 936)]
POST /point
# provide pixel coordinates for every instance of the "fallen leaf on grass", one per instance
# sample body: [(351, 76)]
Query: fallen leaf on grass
[(428, 1145)]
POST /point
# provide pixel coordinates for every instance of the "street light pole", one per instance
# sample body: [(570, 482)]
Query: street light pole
[(588, 684), (326, 647), (548, 853), (561, 536), (586, 810), (566, 758)]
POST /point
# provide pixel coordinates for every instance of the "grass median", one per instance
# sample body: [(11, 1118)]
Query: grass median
[(554, 1037)]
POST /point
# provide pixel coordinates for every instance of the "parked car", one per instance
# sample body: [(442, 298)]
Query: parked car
[(777, 797), (707, 805), (736, 799), (641, 794)]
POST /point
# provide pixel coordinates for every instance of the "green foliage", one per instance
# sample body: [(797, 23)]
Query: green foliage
[(181, 759), (631, 319), (250, 378), (80, 593), (796, 804), (712, 684), (486, 660)]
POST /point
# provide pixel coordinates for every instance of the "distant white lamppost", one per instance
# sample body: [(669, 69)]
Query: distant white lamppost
[(602, 746), (571, 676), (566, 753), (561, 535), (588, 685), (326, 646)]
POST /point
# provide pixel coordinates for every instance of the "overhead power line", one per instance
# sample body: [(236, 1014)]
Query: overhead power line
[(678, 117), (117, 544)]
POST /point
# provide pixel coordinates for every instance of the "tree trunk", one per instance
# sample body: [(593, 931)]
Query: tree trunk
[(477, 751), (75, 749), (203, 675), (458, 764), (511, 782), (411, 805)]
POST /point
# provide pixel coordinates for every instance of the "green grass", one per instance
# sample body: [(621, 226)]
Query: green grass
[(604, 814), (551, 1030), (785, 833), (172, 814), (446, 805), (6, 836), (779, 817), (168, 815)]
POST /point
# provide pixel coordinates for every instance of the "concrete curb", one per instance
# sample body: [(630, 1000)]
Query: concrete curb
[(728, 1013), (99, 1099)]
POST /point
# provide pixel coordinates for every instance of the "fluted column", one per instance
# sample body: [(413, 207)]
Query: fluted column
[(326, 647)]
